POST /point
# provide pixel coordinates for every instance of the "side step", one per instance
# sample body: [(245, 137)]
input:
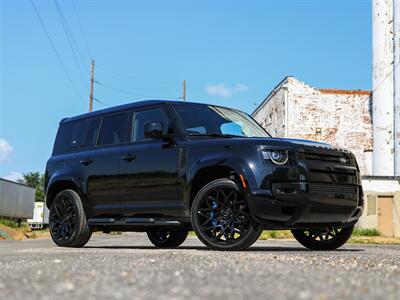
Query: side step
[(132, 222)]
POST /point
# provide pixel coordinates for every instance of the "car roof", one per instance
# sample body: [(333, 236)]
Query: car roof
[(133, 105)]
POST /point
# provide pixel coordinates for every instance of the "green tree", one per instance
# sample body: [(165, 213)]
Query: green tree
[(36, 181)]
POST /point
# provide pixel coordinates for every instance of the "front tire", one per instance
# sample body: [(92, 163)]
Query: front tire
[(221, 217), (323, 238), (67, 220), (167, 238)]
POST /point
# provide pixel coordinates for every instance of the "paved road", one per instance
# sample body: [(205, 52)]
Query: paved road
[(126, 266)]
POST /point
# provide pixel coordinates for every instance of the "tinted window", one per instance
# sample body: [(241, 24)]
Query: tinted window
[(76, 135), (89, 131), (63, 141), (151, 115), (114, 129), (208, 119)]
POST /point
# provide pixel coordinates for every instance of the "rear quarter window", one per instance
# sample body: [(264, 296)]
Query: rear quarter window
[(76, 135)]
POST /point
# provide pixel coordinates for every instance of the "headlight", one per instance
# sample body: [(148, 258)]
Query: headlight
[(278, 157)]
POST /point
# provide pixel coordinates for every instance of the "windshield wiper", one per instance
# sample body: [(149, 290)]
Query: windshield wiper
[(224, 135)]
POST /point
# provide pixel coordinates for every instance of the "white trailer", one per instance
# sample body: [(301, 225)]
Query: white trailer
[(40, 218), (16, 200)]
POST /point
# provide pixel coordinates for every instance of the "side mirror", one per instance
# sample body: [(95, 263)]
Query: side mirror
[(153, 130)]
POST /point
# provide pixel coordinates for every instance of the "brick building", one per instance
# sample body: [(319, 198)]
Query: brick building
[(342, 118)]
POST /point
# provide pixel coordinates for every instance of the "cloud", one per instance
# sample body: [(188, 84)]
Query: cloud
[(221, 90), (5, 150), (13, 176), (240, 87)]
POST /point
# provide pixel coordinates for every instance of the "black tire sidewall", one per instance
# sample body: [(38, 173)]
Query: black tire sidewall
[(81, 233), (252, 235), (176, 238), (343, 236)]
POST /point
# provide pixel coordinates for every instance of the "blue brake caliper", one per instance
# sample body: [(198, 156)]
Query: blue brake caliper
[(213, 216)]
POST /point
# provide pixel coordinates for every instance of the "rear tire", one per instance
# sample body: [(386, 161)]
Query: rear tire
[(323, 238), (67, 220), (167, 238), (221, 217)]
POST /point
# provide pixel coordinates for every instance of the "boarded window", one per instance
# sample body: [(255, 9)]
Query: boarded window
[(371, 203)]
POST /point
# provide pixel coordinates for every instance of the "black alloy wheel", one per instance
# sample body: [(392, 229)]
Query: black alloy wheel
[(67, 220), (221, 217), (323, 238), (167, 238)]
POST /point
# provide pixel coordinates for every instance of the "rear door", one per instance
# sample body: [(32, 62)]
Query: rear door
[(149, 178), (99, 165)]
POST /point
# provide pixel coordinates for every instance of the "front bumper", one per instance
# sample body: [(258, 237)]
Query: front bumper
[(306, 204)]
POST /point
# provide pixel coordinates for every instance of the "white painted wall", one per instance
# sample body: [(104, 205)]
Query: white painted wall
[(272, 115), (396, 82), (382, 86)]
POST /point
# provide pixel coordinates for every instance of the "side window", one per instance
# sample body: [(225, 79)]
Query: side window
[(151, 115), (114, 129), (90, 131), (67, 138), (76, 135)]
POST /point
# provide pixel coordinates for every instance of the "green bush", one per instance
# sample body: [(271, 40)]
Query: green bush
[(9, 223), (366, 232)]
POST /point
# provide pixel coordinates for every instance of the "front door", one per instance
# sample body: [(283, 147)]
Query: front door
[(385, 216), (148, 170)]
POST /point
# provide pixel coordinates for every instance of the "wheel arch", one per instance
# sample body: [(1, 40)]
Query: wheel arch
[(60, 183), (209, 170)]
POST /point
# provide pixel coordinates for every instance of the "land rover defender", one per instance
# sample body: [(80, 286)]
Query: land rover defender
[(167, 167)]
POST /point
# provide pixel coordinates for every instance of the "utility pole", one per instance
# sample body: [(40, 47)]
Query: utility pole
[(184, 90), (91, 86)]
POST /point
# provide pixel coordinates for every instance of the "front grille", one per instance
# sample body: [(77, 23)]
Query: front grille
[(317, 188), (340, 159), (329, 167)]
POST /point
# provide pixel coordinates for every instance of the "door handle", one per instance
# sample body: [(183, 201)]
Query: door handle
[(128, 157), (86, 161)]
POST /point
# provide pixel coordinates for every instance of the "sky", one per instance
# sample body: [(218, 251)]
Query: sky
[(231, 53)]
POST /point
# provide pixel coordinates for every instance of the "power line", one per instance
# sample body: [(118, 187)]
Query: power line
[(56, 52), (71, 35), (139, 78), (99, 101), (81, 30), (387, 76), (121, 90), (70, 40)]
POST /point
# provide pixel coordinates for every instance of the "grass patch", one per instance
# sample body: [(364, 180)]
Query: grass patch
[(276, 234), (359, 240), (24, 228), (366, 232), (9, 223)]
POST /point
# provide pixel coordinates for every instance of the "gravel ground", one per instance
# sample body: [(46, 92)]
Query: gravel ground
[(126, 266)]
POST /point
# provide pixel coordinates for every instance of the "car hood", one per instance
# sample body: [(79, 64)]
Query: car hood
[(298, 144), (306, 142), (308, 145)]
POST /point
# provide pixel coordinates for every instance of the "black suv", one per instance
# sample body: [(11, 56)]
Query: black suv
[(168, 167)]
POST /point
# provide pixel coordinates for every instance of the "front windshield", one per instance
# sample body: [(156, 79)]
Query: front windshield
[(214, 120)]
